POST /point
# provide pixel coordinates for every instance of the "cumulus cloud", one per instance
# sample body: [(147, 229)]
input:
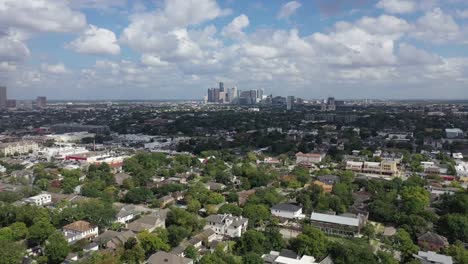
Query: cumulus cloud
[(12, 49), (40, 16), (234, 29), (288, 9), (438, 27), (397, 6), (58, 68), (96, 40)]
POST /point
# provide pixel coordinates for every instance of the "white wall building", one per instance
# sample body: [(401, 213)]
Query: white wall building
[(289, 211), (79, 230), (22, 147), (40, 200), (227, 225)]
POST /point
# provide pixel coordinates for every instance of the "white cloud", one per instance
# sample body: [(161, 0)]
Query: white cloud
[(96, 40), (12, 49), (58, 68), (40, 15), (234, 29), (438, 27), (288, 9), (398, 6), (462, 13)]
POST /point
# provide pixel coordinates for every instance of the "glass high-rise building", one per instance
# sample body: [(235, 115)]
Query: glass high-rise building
[(3, 97)]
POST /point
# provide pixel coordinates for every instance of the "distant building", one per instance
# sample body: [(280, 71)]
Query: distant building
[(22, 147), (347, 225), (227, 225), (431, 257), (309, 159), (289, 211), (41, 102), (452, 133), (39, 200), (24, 104), (289, 103), (329, 105), (384, 167), (79, 230), (3, 97), (11, 103)]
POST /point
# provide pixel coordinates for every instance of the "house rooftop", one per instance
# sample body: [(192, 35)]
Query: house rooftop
[(167, 258), (286, 207), (336, 219), (79, 226)]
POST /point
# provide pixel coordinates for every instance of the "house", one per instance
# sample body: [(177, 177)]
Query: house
[(126, 214), (214, 186), (287, 257), (227, 224), (79, 230), (168, 258), (309, 159), (39, 200), (431, 257), (244, 195), (112, 239), (432, 241), (149, 222), (452, 133), (329, 179), (206, 236), (289, 211), (347, 225), (166, 200), (121, 177)]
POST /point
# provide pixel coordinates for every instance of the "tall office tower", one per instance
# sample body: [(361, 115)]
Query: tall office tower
[(289, 102), (3, 97), (41, 102), (260, 94), (221, 87), (232, 94), (331, 101)]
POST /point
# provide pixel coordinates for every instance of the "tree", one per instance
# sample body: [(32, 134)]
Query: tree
[(40, 231), (415, 199), (251, 241), (404, 244), (252, 258), (98, 212), (352, 252), (177, 234), (232, 197), (386, 258), (138, 195), (133, 253), (230, 209), (311, 242), (180, 217), (191, 252), (7, 234), (151, 243), (257, 214), (454, 227), (20, 231), (11, 252), (56, 248), (458, 252)]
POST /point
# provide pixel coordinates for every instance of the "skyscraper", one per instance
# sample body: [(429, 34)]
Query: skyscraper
[(289, 102), (41, 102), (3, 97), (221, 87)]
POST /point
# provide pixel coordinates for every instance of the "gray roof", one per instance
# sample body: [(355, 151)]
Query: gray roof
[(167, 258), (127, 210), (335, 219), (286, 207), (434, 257)]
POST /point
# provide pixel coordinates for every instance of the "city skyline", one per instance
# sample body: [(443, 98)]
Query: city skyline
[(174, 49)]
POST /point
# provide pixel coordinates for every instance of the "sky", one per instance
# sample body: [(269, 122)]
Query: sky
[(177, 49)]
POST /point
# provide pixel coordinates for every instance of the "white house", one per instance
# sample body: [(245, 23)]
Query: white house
[(79, 230), (309, 159), (126, 214), (227, 224), (39, 200), (289, 211)]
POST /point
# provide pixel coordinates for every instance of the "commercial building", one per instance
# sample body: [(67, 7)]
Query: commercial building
[(384, 167), (452, 133), (41, 102), (329, 105), (22, 147), (289, 103), (347, 225), (3, 97), (309, 159)]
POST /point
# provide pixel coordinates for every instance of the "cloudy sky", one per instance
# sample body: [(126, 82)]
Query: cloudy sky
[(176, 49)]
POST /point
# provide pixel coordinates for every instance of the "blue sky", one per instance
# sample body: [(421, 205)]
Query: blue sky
[(176, 49)]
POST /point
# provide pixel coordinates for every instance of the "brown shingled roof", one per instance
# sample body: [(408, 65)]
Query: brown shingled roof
[(79, 226)]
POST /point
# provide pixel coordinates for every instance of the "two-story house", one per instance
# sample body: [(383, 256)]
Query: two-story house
[(79, 230), (227, 224)]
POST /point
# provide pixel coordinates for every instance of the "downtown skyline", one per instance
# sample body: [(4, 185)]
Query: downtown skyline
[(176, 49)]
